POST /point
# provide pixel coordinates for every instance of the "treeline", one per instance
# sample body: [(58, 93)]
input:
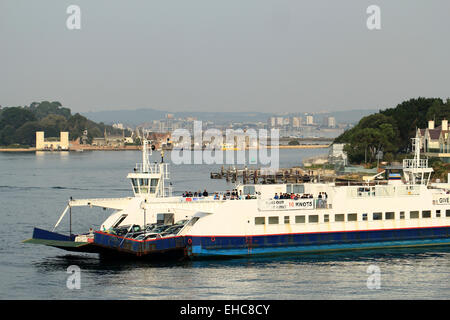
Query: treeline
[(391, 130), (18, 125)]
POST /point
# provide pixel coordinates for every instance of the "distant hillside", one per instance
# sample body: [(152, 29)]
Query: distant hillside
[(18, 125), (349, 116), (139, 116)]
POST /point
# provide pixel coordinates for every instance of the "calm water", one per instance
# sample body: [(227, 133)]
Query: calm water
[(34, 189)]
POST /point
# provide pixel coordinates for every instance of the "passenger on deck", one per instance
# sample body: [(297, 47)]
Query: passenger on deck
[(248, 196), (276, 196), (205, 193), (216, 196)]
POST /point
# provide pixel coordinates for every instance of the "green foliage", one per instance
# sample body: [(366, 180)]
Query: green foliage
[(15, 117), (293, 143), (391, 130), (45, 108), (440, 169)]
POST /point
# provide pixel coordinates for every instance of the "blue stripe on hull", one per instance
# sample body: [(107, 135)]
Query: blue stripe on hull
[(333, 241)]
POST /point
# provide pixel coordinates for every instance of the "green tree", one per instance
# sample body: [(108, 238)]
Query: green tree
[(15, 117), (391, 130), (7, 135), (26, 134)]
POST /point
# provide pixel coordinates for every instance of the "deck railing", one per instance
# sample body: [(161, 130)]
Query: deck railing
[(414, 163)]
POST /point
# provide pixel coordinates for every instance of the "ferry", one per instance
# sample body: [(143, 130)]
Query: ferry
[(397, 210)]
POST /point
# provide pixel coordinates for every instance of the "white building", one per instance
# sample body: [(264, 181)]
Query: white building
[(52, 144), (296, 122), (330, 122), (309, 120)]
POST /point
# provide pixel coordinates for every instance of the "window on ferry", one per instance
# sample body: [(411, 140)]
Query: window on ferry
[(438, 213), (273, 220), (135, 185), (326, 218), (295, 188), (153, 184), (377, 216), (299, 219), (193, 221), (286, 220), (352, 217), (260, 220), (426, 214), (364, 216), (313, 218), (414, 214), (390, 215), (144, 185), (119, 221), (402, 214), (339, 217), (249, 190), (447, 213)]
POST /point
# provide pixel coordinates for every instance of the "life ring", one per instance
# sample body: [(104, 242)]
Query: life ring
[(189, 241), (213, 239)]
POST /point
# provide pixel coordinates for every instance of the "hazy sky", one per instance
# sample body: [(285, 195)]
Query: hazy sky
[(181, 55)]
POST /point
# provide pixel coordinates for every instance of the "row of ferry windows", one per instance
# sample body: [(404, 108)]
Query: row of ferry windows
[(314, 218)]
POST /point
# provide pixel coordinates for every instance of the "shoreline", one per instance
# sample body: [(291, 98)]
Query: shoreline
[(134, 148)]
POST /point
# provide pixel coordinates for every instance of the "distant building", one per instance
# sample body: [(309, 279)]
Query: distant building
[(435, 142), (296, 122), (277, 122), (52, 144), (309, 120), (280, 121), (114, 141), (118, 126), (271, 122), (329, 122)]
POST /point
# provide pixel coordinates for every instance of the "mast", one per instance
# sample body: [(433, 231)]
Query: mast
[(144, 155), (416, 170)]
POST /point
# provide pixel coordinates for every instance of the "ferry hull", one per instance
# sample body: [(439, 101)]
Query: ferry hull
[(215, 246), (158, 249)]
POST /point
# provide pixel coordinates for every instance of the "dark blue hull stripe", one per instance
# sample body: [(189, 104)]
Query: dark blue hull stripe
[(284, 243)]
